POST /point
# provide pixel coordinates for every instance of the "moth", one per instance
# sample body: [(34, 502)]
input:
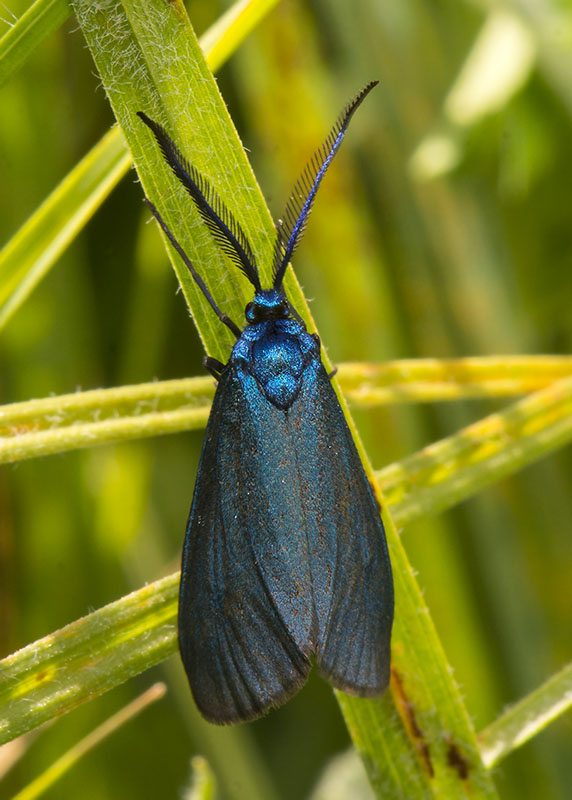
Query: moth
[(285, 559)]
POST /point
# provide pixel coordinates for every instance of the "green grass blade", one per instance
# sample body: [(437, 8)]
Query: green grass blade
[(83, 419), (457, 467), (39, 21), (526, 718), (88, 657), (34, 249), (427, 380), (225, 36), (59, 768)]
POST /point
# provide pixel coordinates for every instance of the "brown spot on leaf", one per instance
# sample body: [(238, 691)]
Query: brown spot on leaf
[(458, 761), (407, 712)]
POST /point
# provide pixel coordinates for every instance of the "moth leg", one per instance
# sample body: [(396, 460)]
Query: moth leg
[(316, 338), (214, 366)]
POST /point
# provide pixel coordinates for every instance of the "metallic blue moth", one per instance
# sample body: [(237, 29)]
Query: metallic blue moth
[(285, 557)]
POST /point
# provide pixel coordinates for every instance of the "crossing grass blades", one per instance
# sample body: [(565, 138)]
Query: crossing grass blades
[(285, 558)]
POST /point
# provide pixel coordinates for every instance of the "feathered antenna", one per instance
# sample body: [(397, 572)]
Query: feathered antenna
[(224, 228), (299, 205)]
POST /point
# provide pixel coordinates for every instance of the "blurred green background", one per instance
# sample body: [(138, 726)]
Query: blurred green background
[(444, 229)]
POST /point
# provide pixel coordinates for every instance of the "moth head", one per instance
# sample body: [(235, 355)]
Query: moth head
[(268, 305)]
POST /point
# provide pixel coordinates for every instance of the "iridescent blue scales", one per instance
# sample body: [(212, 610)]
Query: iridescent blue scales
[(285, 558)]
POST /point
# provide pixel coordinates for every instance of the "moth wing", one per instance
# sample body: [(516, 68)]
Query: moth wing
[(319, 542), (285, 555), (352, 583), (239, 655)]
